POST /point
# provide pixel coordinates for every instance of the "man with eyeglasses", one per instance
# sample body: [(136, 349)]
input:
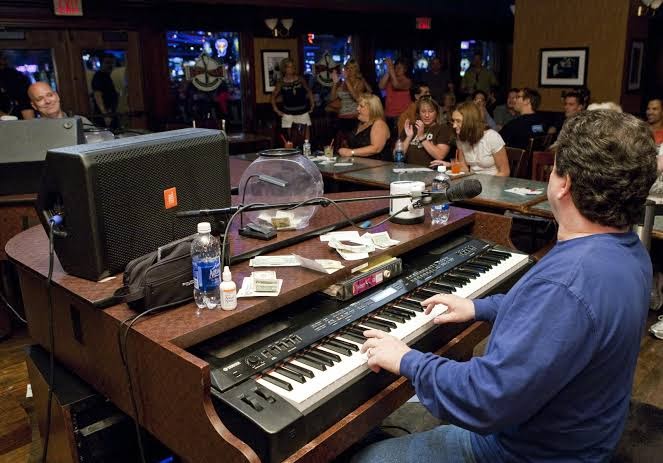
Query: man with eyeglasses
[(528, 124)]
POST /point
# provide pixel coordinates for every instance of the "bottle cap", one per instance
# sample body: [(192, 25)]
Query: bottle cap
[(204, 227), (441, 169), (227, 276)]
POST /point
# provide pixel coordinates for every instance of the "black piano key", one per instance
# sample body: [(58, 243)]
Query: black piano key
[(353, 337), (428, 292), (312, 362), (349, 345), (304, 371), (407, 305), (336, 348), (376, 325), (491, 259), (469, 273), (391, 316), (328, 355), (359, 329), (451, 280), (476, 266), (498, 254), (291, 374), (376, 317), (278, 382), (440, 288), (404, 312), (447, 282), (414, 298), (458, 276), (487, 263)]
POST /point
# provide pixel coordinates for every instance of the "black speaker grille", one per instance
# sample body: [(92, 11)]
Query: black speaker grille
[(129, 190)]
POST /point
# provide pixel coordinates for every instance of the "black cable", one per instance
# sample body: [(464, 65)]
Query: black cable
[(242, 208), (9, 306), (51, 341), (122, 343)]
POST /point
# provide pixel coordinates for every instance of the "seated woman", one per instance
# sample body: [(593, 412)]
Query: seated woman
[(370, 138), (427, 138), (480, 150)]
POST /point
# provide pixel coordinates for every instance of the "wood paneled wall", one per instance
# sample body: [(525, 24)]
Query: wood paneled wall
[(600, 25), (260, 44)]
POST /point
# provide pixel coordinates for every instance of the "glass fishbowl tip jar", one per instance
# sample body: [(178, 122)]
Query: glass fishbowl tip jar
[(281, 176)]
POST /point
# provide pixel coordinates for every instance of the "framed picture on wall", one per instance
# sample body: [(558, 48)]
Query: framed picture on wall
[(563, 67), (271, 68), (635, 60)]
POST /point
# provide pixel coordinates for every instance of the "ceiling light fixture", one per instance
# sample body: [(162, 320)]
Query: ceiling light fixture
[(279, 27)]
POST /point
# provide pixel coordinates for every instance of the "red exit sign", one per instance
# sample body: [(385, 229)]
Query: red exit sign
[(68, 7), (424, 23)]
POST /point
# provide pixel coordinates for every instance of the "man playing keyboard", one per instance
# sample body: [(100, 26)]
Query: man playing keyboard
[(555, 382)]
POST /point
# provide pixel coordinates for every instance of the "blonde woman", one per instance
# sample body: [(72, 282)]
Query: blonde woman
[(348, 88), (480, 150), (370, 137), (297, 98)]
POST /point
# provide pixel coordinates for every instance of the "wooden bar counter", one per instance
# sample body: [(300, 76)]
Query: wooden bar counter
[(172, 386)]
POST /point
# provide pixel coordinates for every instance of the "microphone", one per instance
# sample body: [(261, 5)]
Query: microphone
[(466, 189)]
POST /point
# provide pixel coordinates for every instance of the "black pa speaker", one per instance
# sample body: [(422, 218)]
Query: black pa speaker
[(117, 199)]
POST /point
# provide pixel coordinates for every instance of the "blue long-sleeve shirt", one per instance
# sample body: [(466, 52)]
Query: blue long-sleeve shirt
[(555, 381)]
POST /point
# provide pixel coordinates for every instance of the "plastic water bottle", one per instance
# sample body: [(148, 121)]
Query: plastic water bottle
[(206, 261), (306, 148), (439, 213), (399, 155)]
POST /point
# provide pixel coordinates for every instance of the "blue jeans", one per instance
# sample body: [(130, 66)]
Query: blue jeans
[(444, 444)]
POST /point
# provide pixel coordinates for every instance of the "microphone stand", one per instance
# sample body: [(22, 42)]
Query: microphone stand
[(420, 196)]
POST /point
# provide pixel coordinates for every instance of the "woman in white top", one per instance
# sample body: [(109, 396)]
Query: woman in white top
[(480, 150)]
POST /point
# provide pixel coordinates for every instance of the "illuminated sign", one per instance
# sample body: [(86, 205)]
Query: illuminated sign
[(423, 23), (68, 7)]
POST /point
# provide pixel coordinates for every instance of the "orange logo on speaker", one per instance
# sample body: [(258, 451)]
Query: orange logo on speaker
[(170, 197)]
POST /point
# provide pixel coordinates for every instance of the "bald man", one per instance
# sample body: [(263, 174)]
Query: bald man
[(46, 102)]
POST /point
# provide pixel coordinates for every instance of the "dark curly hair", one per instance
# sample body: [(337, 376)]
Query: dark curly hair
[(611, 160)]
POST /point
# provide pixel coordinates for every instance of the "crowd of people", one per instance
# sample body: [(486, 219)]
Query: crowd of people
[(424, 115)]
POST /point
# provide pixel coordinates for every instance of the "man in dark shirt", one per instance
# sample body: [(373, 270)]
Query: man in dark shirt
[(106, 97), (14, 99), (574, 101), (437, 80), (528, 124)]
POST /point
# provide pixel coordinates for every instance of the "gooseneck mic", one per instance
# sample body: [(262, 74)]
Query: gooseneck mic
[(460, 191)]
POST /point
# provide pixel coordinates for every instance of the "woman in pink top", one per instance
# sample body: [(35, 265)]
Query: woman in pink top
[(396, 84)]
